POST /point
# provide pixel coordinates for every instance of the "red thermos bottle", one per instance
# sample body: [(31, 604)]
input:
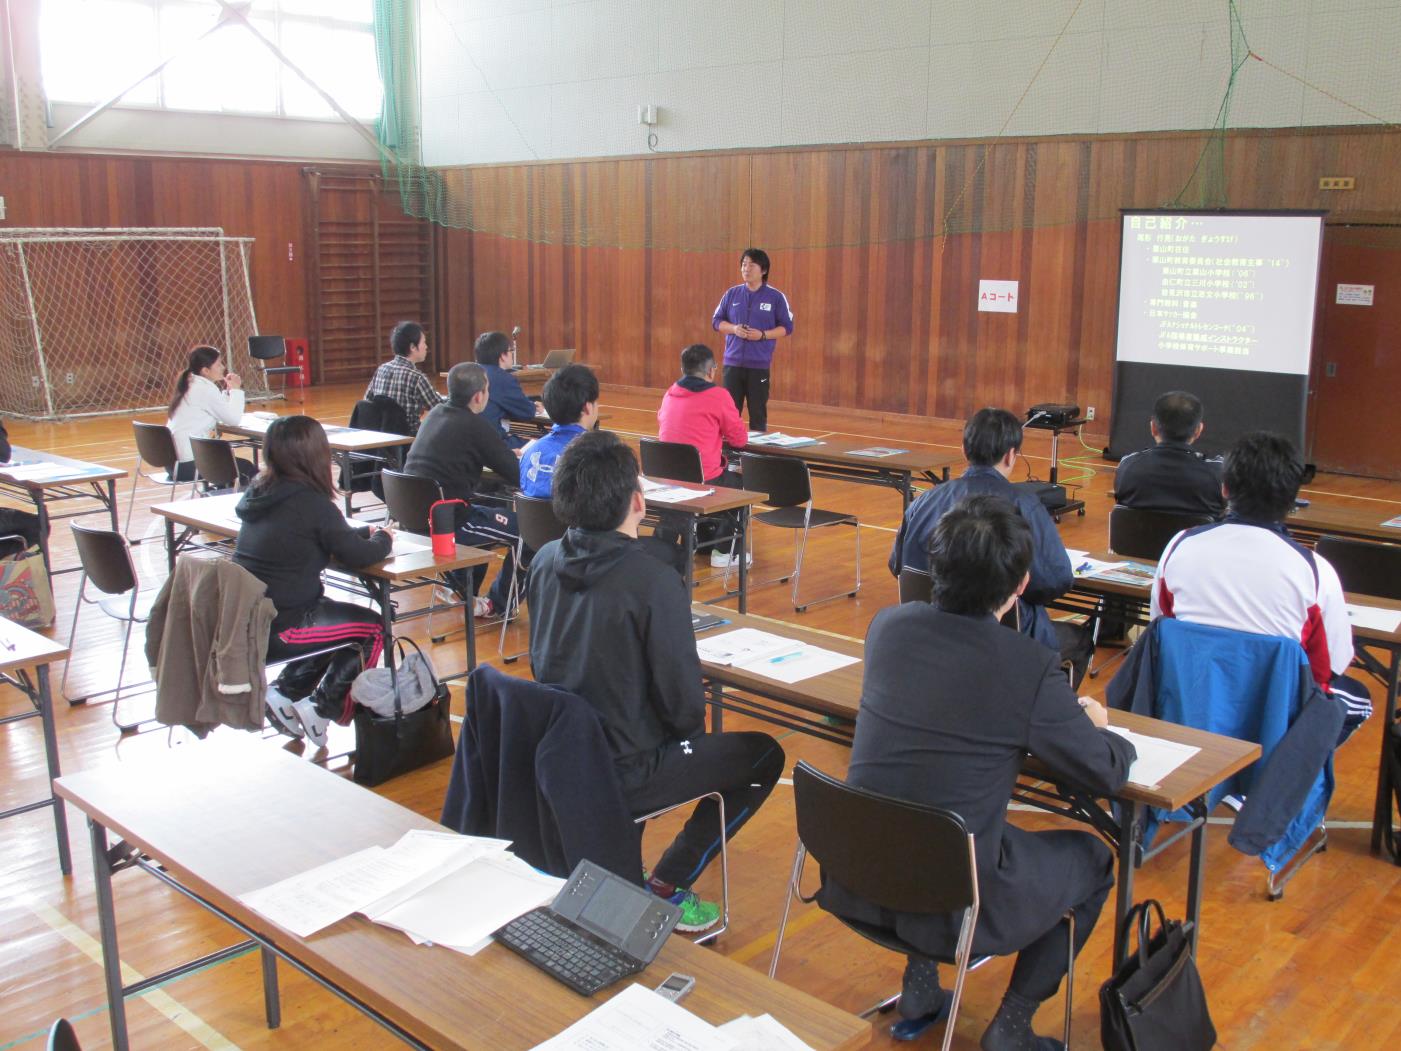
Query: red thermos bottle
[(442, 526)]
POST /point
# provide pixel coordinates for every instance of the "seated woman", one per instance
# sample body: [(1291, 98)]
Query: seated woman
[(291, 529), (200, 404), (950, 705)]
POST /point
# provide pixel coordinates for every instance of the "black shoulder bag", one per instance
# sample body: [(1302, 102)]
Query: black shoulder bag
[(387, 746), (1155, 1001)]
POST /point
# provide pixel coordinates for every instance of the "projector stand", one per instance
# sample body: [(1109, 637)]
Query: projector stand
[(1078, 506)]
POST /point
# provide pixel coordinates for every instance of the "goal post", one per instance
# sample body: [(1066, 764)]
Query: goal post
[(96, 321)]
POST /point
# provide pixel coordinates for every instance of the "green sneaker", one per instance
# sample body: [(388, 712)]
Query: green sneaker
[(696, 915)]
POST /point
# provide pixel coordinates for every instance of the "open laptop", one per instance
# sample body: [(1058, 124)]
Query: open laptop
[(599, 928), (555, 359)]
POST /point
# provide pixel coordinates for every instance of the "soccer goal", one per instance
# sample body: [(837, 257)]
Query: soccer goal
[(97, 321)]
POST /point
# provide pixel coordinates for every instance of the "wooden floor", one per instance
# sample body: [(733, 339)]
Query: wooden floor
[(1318, 969)]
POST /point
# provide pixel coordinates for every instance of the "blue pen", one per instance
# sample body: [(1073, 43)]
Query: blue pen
[(785, 657), (1082, 568)]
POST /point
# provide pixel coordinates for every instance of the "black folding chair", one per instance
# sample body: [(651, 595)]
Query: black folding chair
[(263, 349), (915, 586), (215, 465), (1369, 567), (902, 856), (1136, 533)]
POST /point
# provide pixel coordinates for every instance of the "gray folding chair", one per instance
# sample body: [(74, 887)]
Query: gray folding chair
[(155, 446)]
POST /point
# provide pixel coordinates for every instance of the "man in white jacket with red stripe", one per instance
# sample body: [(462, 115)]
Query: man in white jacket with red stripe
[(1248, 574)]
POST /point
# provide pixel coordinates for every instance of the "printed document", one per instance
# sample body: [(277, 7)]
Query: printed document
[(1157, 758)]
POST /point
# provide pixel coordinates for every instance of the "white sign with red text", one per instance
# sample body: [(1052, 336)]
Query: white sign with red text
[(998, 296)]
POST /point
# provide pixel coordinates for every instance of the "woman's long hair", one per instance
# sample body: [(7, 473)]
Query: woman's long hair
[(296, 450), (200, 359)]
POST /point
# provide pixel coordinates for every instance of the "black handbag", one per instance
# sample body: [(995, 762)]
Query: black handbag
[(1155, 1001), (386, 747)]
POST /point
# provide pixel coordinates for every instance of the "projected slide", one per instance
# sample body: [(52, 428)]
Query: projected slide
[(1219, 291)]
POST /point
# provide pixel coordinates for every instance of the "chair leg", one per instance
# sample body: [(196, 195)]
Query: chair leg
[(72, 634), (512, 604), (1317, 843), (1069, 974), (131, 497), (122, 727), (962, 956), (794, 880), (724, 858), (797, 572)]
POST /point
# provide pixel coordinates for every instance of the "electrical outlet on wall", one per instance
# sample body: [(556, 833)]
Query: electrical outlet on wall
[(1090, 413)]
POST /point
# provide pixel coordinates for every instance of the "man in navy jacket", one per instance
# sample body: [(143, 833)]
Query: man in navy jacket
[(495, 353)]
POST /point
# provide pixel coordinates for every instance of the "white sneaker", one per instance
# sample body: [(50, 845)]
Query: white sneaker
[(314, 725), (282, 712), (721, 559)]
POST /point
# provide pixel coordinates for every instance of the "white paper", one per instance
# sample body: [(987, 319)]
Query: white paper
[(778, 438), (465, 906), (744, 645), (41, 471), (1373, 617), (433, 855), (1156, 757), (406, 545), (305, 903), (256, 421), (637, 1019), (675, 494), (806, 663), (1076, 555), (1088, 567), (765, 1033)]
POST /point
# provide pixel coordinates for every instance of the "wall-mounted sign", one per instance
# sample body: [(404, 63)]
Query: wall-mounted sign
[(999, 296), (1356, 295)]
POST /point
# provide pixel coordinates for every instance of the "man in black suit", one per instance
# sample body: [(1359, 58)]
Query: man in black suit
[(951, 703), (1172, 476)]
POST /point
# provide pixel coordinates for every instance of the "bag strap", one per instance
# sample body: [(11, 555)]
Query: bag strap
[(400, 642), (1144, 920)]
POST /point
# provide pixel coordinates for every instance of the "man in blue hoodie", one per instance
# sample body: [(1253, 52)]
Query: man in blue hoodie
[(495, 353), (571, 399), (612, 623)]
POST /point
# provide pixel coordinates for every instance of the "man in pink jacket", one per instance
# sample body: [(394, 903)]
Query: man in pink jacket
[(698, 412)]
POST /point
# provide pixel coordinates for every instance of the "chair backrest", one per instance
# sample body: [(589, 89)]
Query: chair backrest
[(678, 460), (106, 559), (786, 480), (1370, 567), (906, 857), (537, 522), (155, 445), (12, 544), (1144, 534), (408, 497), (266, 348), (62, 1037), (915, 585), (214, 461)]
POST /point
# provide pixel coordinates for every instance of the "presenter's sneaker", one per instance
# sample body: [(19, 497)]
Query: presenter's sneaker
[(724, 560), (314, 725), (282, 713), (483, 608), (696, 915)]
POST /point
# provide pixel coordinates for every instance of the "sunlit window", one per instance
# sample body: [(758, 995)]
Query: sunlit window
[(93, 49)]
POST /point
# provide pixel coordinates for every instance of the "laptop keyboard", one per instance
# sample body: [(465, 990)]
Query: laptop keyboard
[(578, 959)]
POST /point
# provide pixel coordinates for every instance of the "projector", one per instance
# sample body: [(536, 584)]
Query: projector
[(1049, 416)]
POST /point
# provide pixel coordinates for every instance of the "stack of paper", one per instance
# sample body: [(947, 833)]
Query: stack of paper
[(1157, 757), (877, 452), (638, 1019), (418, 886), (1374, 617), (772, 656), (670, 494), (781, 440), (41, 471)]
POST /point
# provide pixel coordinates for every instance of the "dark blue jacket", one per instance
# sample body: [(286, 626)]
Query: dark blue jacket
[(532, 766), (505, 402), (1051, 572), (1255, 688)]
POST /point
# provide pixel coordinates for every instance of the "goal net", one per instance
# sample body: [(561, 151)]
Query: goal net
[(100, 320)]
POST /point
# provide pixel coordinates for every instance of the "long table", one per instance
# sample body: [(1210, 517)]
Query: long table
[(23, 652), (346, 443), (1130, 601), (175, 818), (1360, 521), (710, 500), (78, 480), (532, 378), (832, 458), (215, 515), (838, 694)]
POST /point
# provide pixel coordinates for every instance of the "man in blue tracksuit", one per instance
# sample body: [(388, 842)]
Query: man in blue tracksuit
[(571, 399), (992, 439), (752, 316)]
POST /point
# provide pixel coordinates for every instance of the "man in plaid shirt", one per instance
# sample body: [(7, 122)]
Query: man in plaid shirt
[(399, 377)]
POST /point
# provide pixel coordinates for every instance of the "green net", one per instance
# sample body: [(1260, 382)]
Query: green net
[(523, 113)]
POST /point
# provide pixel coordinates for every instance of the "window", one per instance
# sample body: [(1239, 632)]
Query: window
[(92, 49)]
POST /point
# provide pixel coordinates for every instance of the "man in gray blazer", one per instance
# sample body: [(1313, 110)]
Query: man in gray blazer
[(951, 703)]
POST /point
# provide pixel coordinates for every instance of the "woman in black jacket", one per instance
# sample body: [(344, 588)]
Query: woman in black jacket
[(291, 529)]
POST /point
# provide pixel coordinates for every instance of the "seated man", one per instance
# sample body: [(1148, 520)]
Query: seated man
[(1172, 476), (1247, 573), (399, 377), (613, 624), (992, 439), (571, 399), (494, 352), (697, 412), (452, 447), (951, 704)]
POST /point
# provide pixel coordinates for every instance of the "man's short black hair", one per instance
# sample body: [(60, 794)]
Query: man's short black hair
[(1177, 415), (466, 380), (490, 348), (758, 255), (978, 554), (568, 391), (696, 358), (405, 337), (595, 478), (1262, 476), (988, 434)]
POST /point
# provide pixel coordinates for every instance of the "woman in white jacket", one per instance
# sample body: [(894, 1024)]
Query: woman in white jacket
[(206, 395)]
